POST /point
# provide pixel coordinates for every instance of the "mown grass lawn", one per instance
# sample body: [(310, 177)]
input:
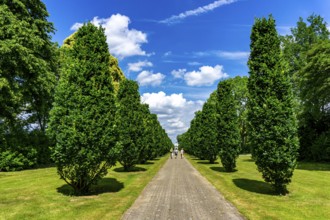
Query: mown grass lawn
[(40, 194), (309, 196)]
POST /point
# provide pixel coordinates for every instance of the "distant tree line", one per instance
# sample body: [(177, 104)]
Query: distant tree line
[(68, 105), (281, 113)]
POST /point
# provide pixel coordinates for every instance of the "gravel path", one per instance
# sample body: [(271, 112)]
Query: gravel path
[(178, 191)]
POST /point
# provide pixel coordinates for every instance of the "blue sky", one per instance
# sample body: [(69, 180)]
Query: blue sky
[(178, 50)]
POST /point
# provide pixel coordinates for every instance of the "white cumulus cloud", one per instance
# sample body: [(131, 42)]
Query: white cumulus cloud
[(178, 73), (200, 10), (206, 76), (138, 66), (149, 78), (123, 42), (174, 111)]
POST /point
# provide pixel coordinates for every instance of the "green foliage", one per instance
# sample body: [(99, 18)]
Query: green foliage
[(13, 161), (129, 124), (305, 54), (155, 140), (82, 119), (208, 130), (201, 139), (27, 75), (315, 91), (240, 90), (28, 80), (228, 127), (117, 74), (194, 144), (272, 122), (146, 150)]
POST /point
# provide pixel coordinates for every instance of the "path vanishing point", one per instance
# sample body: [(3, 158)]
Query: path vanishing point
[(180, 192)]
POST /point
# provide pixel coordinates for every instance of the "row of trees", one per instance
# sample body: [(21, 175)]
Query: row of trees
[(220, 128), (288, 80), (70, 105), (93, 126)]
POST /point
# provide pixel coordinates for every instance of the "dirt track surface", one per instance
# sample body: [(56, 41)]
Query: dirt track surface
[(178, 191)]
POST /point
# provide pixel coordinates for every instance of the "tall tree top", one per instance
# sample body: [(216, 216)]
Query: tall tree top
[(116, 73), (265, 44)]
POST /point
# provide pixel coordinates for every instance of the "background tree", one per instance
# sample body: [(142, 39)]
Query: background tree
[(82, 119), (315, 91), (129, 124), (116, 73), (27, 80), (208, 130), (295, 51), (184, 142), (272, 131), (196, 136), (228, 127), (146, 150), (163, 143), (240, 91)]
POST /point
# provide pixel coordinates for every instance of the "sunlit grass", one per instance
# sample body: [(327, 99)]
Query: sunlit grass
[(309, 196), (40, 194)]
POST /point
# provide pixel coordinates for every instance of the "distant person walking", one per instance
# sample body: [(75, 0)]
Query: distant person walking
[(171, 152), (182, 151), (176, 152)]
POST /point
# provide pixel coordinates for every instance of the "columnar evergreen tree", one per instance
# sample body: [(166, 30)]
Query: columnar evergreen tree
[(273, 129), (196, 140), (228, 127), (152, 129), (27, 78), (184, 142), (147, 137), (129, 124), (196, 135), (82, 119), (209, 129)]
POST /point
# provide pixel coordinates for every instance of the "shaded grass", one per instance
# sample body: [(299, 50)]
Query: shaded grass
[(40, 194), (309, 196)]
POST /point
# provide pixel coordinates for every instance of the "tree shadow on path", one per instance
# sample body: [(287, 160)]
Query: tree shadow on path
[(133, 169), (254, 186), (105, 185), (207, 162)]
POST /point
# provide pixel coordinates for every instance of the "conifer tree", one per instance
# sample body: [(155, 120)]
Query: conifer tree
[(209, 129), (228, 127), (82, 119), (196, 136), (273, 129), (129, 124)]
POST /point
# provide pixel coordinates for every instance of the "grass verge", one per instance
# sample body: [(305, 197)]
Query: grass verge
[(40, 194), (309, 196)]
